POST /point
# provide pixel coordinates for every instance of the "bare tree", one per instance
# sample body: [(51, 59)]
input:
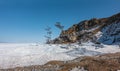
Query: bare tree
[(58, 25), (119, 45), (48, 35)]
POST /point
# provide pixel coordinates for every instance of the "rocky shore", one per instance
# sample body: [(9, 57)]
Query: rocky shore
[(105, 62)]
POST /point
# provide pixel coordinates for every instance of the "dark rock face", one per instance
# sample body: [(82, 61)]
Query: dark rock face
[(87, 30), (111, 34)]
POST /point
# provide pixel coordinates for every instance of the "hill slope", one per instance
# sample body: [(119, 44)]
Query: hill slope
[(105, 30)]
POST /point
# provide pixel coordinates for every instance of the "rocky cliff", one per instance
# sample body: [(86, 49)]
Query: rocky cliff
[(103, 30)]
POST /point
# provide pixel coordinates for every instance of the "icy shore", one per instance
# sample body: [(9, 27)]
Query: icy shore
[(17, 55)]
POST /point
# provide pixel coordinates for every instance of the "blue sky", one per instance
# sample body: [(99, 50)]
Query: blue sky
[(25, 20)]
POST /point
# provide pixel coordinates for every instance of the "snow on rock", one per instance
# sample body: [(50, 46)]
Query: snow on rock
[(110, 34), (14, 55), (78, 69)]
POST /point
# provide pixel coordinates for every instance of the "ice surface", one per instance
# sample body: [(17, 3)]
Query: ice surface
[(14, 55)]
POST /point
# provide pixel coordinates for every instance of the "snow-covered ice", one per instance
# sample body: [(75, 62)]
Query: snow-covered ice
[(12, 55), (18, 54)]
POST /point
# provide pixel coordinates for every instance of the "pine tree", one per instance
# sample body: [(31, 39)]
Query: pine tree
[(58, 25)]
